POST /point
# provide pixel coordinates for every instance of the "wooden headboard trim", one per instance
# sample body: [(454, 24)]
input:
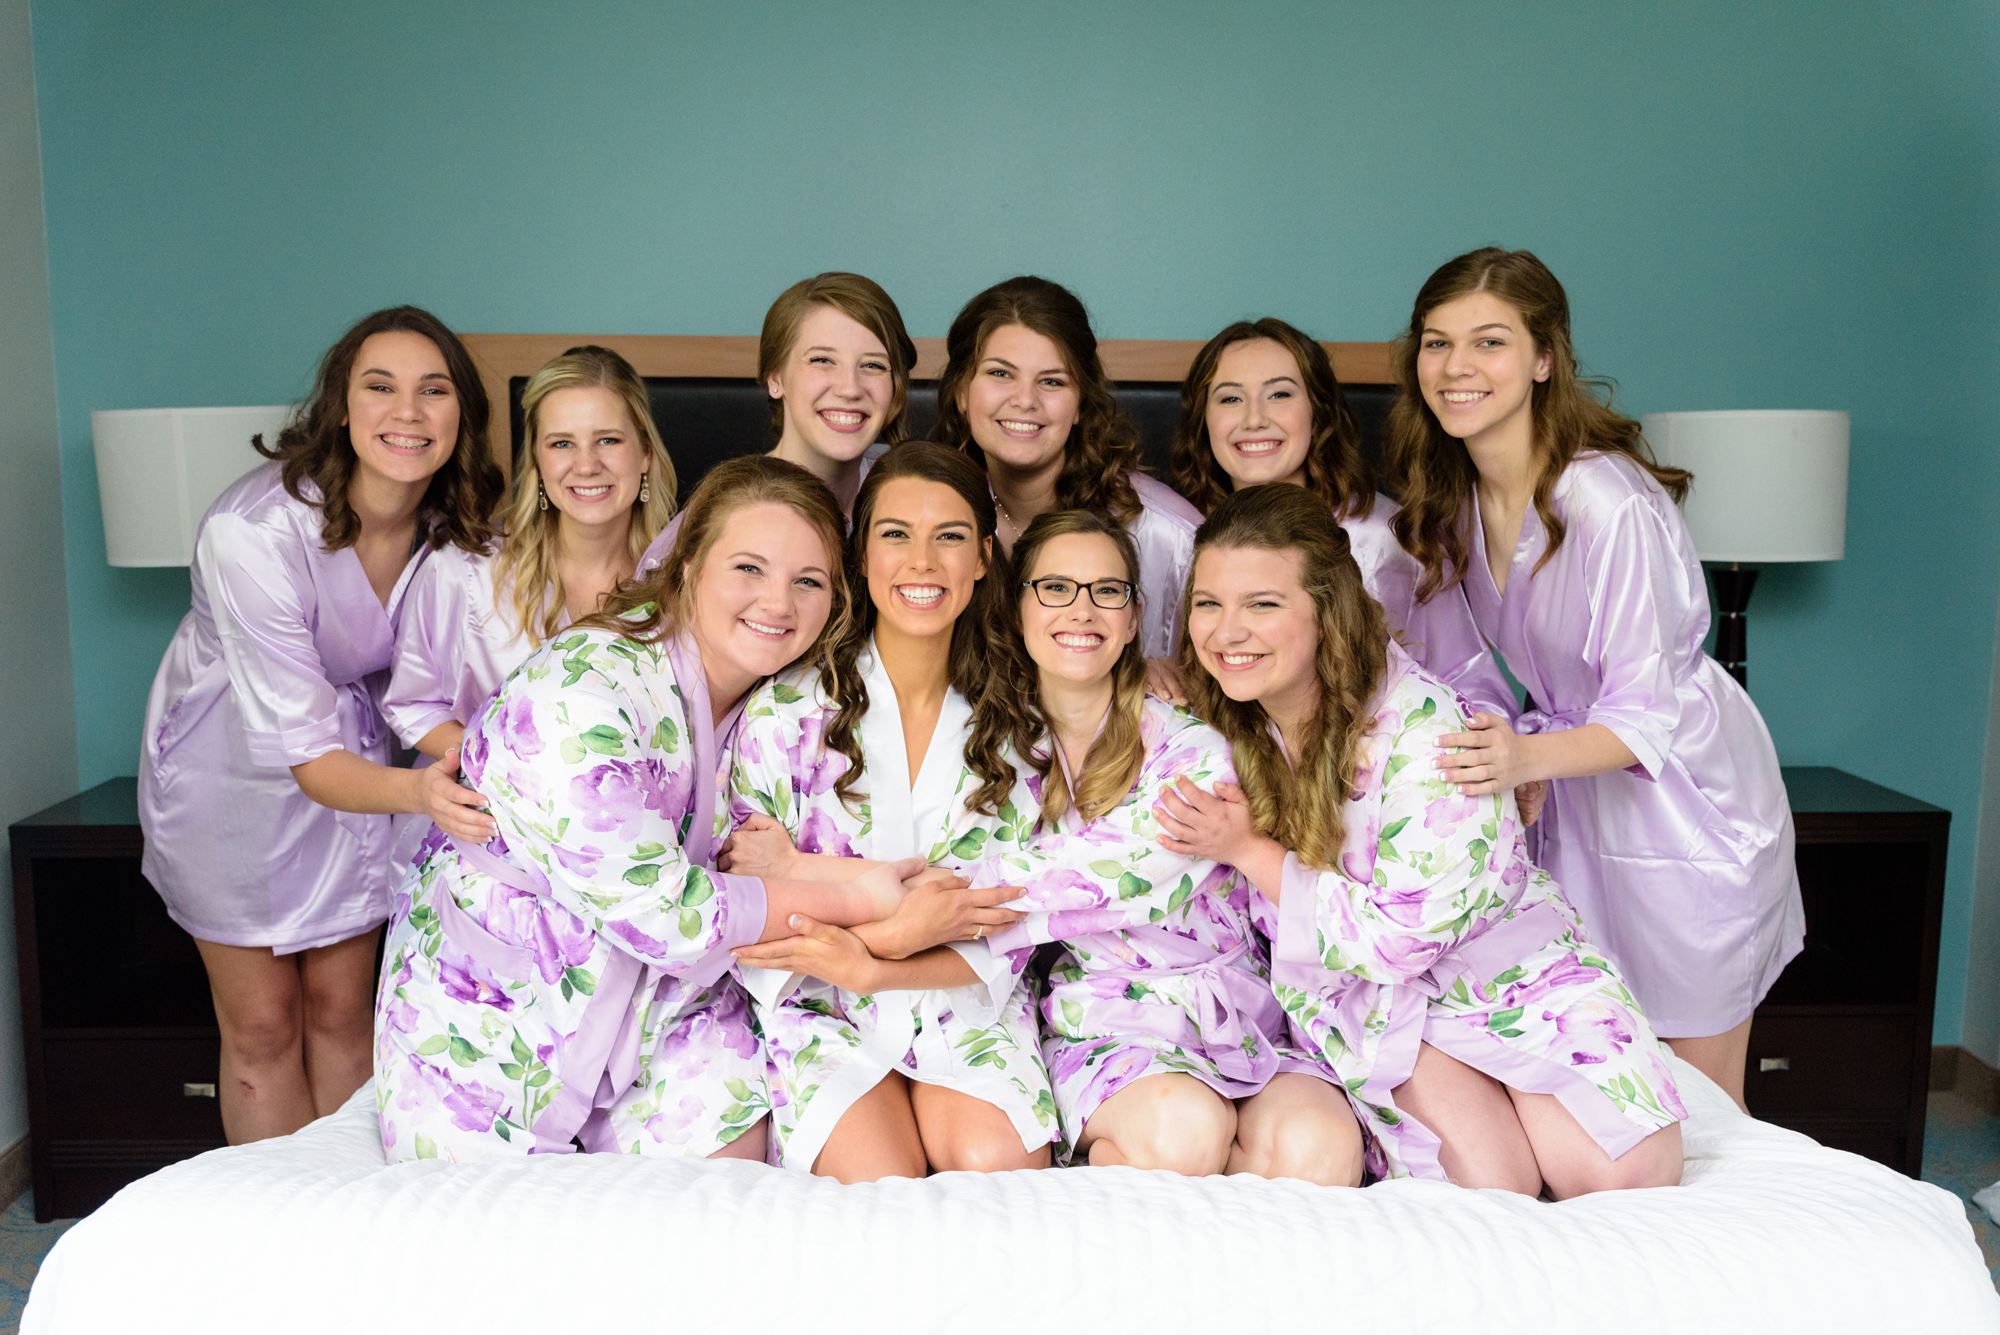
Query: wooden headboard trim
[(501, 357)]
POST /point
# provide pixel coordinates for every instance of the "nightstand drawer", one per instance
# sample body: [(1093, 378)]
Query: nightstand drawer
[(1829, 1065), (131, 1089)]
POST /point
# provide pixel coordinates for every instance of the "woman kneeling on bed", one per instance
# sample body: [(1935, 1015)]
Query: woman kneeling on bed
[(1440, 975), (567, 983), (1162, 1030)]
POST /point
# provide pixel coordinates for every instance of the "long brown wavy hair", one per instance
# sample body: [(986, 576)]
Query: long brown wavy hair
[(1298, 803), (861, 300), (528, 574), (1431, 470), (1103, 449), (1336, 472), (980, 627), (315, 445), (1114, 760), (661, 605)]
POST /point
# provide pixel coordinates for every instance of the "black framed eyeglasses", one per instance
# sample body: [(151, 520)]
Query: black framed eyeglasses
[(1061, 591)]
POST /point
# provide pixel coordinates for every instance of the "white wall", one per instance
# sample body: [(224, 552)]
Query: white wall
[(38, 724)]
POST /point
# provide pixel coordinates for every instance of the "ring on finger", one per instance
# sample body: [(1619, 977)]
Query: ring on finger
[(979, 931)]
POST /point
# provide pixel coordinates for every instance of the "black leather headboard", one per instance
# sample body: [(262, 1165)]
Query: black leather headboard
[(706, 420)]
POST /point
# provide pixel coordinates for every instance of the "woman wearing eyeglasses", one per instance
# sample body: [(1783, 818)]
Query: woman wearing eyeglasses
[(1160, 1019)]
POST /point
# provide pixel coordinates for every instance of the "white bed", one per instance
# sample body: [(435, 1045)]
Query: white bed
[(1770, 1232)]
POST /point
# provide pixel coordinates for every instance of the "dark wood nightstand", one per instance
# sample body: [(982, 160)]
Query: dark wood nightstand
[(1841, 1047), (119, 1029)]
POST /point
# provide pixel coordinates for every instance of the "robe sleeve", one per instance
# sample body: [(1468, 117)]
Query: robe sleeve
[(1113, 873), (764, 779), (598, 804), (290, 710), (1417, 860), (431, 635), (1636, 592)]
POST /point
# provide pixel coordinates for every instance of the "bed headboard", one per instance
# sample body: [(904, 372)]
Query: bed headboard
[(710, 407)]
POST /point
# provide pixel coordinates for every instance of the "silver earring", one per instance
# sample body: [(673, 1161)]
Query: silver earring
[(541, 497), (645, 489)]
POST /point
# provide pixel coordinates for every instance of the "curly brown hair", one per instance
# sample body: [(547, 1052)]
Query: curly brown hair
[(457, 506), (861, 300), (1111, 766), (1103, 449), (1336, 471), (979, 627), (1431, 470), (1298, 803)]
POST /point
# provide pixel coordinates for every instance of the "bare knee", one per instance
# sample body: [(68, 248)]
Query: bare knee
[(1184, 1128), (1656, 1161), (1322, 1148), (263, 1032), (989, 1154)]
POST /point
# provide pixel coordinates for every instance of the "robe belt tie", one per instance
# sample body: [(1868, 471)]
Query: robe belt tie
[(1550, 720), (605, 1047), (361, 731), (1226, 1004)]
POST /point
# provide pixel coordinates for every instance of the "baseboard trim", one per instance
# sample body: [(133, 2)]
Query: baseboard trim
[(1967, 1074), (14, 1172)]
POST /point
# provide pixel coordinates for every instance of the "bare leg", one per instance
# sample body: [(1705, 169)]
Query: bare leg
[(339, 986), (1298, 1126), (965, 1134), (875, 1138), (750, 1145), (1484, 1144), (1720, 1057), (1172, 1121), (1573, 1164), (259, 1007)]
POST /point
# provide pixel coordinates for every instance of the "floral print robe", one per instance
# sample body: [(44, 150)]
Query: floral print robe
[(1161, 969), (568, 979), (829, 1046), (1435, 928)]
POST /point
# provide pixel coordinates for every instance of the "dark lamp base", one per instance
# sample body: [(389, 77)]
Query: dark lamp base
[(1732, 598)]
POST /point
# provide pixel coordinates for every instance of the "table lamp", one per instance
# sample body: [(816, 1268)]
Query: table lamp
[(1769, 486), (159, 469)]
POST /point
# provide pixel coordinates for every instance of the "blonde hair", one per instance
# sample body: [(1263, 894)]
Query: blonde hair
[(527, 576), (661, 604), (1298, 804), (861, 300), (1110, 768)]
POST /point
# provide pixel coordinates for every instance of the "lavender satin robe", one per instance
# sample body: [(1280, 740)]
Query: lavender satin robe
[(1163, 531), (571, 979), (1682, 865), (656, 551), (281, 659), (1439, 634)]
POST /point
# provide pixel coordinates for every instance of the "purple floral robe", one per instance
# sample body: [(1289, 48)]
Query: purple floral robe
[(1161, 970), (1682, 866), (280, 660), (570, 979), (1435, 928)]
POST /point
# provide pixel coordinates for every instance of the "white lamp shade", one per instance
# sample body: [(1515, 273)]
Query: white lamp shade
[(159, 469), (1768, 485)]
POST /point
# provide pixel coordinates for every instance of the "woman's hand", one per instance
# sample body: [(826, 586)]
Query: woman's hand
[(760, 846), (941, 907), (1163, 679), (1490, 758), (877, 893), (1529, 798), (818, 951), (1216, 826), (458, 811)]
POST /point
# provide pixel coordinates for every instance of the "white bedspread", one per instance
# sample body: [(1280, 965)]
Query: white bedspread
[(1769, 1232)]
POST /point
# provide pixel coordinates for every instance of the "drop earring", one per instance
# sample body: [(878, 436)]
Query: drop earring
[(541, 497), (645, 489)]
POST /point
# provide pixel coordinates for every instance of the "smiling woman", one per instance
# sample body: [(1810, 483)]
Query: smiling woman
[(268, 697)]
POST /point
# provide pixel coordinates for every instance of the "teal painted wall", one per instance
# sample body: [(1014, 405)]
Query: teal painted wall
[(1752, 206)]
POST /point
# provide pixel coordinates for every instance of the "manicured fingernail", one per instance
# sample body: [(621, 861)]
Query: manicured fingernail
[(797, 921)]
